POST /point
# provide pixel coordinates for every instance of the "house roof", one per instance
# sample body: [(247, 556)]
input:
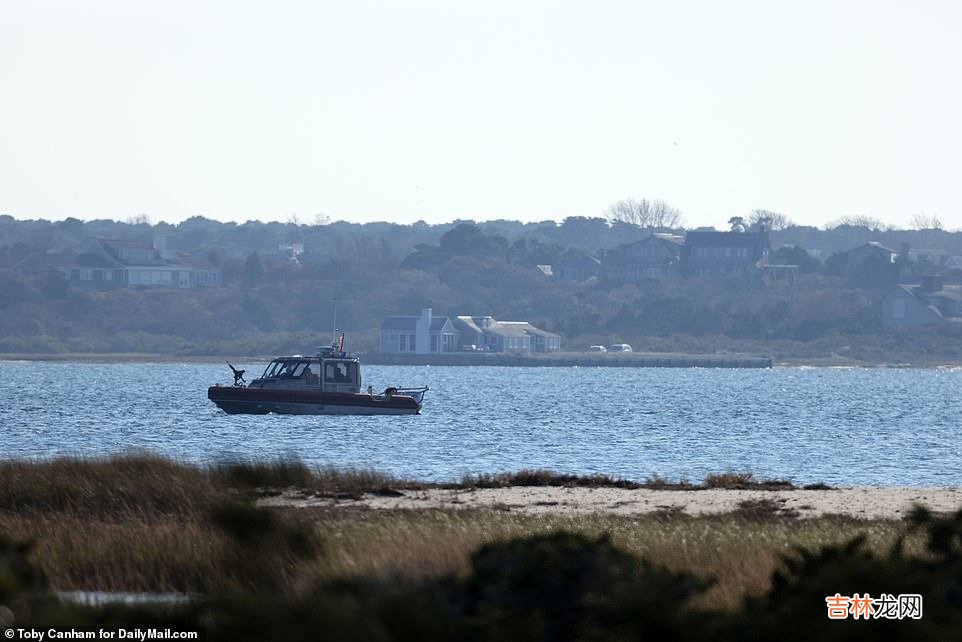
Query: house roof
[(627, 253), (950, 292), (410, 323), (89, 259), (530, 329), (507, 329), (466, 324), (724, 239), (875, 245), (195, 261), (400, 323), (40, 262), (587, 262)]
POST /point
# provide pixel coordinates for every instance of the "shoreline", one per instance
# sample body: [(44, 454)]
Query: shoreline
[(857, 502), (615, 361)]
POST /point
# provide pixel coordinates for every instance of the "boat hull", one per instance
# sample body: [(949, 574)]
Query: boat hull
[(262, 401)]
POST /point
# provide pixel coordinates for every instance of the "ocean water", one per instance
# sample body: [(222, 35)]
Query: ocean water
[(888, 427)]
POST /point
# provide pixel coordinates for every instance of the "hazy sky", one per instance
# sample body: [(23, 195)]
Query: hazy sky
[(402, 111)]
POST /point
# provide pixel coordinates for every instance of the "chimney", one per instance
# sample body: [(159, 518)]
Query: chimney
[(160, 245), (423, 332)]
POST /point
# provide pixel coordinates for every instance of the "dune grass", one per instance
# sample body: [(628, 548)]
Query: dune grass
[(145, 523)]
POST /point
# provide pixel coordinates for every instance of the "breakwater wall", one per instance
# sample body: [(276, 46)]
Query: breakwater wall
[(569, 359)]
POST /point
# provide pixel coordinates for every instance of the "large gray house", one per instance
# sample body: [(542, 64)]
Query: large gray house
[(427, 333), (928, 304), (658, 256), (700, 253), (420, 334), (108, 264)]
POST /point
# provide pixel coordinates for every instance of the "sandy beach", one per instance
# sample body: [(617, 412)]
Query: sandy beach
[(857, 502)]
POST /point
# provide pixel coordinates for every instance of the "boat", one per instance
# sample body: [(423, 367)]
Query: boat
[(327, 383)]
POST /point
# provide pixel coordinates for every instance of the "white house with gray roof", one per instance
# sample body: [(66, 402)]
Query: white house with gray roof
[(427, 333), (418, 334)]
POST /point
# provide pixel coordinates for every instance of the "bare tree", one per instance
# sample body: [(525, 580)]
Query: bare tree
[(140, 219), (775, 221), (861, 220), (644, 213), (923, 221)]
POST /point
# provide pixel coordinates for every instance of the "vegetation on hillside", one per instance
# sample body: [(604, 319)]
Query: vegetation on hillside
[(271, 303)]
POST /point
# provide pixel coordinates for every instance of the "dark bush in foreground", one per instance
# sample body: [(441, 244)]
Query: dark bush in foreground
[(553, 587)]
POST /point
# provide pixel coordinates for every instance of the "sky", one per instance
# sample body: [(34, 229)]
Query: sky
[(436, 111)]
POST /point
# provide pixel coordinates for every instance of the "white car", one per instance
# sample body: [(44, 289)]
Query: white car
[(619, 347), (597, 349)]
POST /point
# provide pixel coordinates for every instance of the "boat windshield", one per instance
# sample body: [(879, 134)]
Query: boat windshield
[(285, 369)]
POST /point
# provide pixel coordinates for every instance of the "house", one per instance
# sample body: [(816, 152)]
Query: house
[(735, 253), (500, 336), (871, 256), (929, 260), (418, 334), (928, 304), (108, 264), (541, 340), (658, 256), (426, 333), (290, 251), (487, 333), (576, 269)]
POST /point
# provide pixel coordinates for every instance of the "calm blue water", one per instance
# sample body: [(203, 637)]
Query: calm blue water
[(840, 426)]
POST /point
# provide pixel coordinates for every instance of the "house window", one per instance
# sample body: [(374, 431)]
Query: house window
[(434, 343), (412, 339), (404, 343)]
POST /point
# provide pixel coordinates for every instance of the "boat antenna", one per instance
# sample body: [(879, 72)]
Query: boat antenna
[(334, 332)]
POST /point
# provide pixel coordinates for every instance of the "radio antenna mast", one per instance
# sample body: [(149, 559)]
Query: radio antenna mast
[(334, 332)]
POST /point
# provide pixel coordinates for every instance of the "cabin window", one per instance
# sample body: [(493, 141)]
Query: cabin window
[(297, 369), (340, 372), (272, 369)]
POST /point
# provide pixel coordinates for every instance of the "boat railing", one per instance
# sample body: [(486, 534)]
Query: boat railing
[(415, 393)]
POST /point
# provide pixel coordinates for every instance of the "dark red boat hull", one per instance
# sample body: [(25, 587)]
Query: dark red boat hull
[(262, 401)]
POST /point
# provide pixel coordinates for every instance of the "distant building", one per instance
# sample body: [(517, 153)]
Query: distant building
[(418, 334), (872, 264), (576, 269), (427, 333), (929, 304), (107, 264), (657, 257), (733, 253), (290, 251), (953, 263)]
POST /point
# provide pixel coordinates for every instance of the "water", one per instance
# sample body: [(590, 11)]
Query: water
[(840, 426)]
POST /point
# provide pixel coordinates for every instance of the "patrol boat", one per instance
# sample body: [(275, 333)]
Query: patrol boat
[(328, 383)]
